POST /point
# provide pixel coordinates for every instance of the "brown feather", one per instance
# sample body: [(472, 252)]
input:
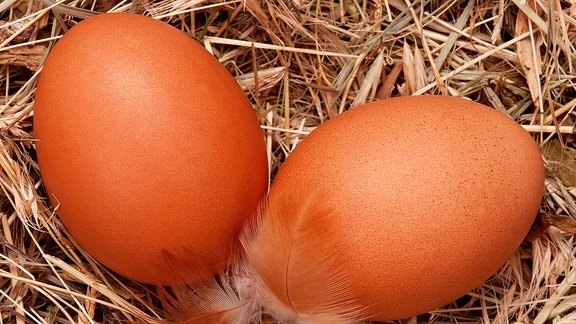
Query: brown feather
[(297, 271), (228, 297), (288, 268)]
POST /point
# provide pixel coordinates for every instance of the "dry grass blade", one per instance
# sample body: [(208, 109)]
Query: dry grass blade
[(225, 41), (527, 50), (30, 56), (561, 290), (370, 83), (68, 10), (460, 24), (301, 63)]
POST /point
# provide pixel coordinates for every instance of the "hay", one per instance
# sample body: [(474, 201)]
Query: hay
[(302, 62)]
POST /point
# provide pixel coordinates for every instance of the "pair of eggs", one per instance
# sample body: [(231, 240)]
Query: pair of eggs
[(152, 153)]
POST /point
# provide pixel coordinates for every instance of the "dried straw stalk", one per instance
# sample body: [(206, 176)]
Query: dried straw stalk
[(302, 62)]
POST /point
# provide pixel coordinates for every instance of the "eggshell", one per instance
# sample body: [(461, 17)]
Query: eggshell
[(431, 195), (147, 146)]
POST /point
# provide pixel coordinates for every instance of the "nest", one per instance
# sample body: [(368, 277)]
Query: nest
[(301, 62)]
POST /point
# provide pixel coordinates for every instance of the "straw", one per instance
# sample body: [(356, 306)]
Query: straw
[(300, 63)]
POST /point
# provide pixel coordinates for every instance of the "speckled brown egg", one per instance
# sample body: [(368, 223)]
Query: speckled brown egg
[(148, 147), (430, 194)]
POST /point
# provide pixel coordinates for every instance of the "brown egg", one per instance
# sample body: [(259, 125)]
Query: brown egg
[(147, 146), (430, 196)]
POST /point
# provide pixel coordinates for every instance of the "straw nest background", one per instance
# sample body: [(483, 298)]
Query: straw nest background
[(301, 62)]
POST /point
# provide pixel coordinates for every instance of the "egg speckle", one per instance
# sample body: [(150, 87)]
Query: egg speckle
[(147, 146), (430, 194)]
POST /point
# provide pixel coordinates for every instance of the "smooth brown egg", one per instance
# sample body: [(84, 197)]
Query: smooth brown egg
[(430, 196), (147, 146)]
